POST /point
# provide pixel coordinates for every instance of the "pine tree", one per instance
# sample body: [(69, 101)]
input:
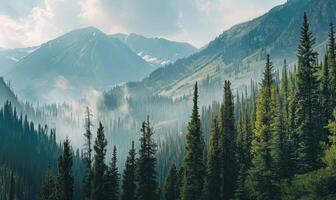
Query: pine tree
[(88, 154), (212, 183), (129, 180), (171, 185), (243, 154), (113, 178), (65, 178), (147, 184), (99, 167), (307, 114), (332, 64), (285, 91), (260, 181), (325, 93), (48, 186), (193, 161), (228, 144), (279, 139)]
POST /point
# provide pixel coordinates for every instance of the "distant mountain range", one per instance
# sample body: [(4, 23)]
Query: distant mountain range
[(239, 53), (87, 58), (157, 51)]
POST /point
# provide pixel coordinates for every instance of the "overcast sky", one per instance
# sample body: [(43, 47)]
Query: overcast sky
[(32, 22)]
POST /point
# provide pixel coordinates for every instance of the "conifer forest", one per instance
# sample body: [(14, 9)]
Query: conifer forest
[(249, 116)]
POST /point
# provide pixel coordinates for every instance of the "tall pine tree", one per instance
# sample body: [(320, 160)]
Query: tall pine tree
[(65, 178), (228, 144), (129, 174), (48, 186), (88, 154), (212, 183), (147, 183), (113, 178), (307, 115), (99, 167), (260, 180), (193, 161), (171, 184)]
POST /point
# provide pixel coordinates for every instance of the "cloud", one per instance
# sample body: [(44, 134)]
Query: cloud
[(195, 21)]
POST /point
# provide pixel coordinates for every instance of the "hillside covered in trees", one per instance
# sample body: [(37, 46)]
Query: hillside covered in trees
[(277, 141)]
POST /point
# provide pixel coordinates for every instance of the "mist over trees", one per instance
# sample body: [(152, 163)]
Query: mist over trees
[(277, 141)]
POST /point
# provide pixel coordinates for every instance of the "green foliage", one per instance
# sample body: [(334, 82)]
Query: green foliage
[(48, 186), (65, 178), (319, 184), (262, 181), (171, 185), (98, 191), (112, 178), (213, 184), (193, 161), (228, 144), (129, 176), (307, 113), (330, 153), (147, 178)]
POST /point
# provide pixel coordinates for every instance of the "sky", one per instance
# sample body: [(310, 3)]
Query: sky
[(26, 23)]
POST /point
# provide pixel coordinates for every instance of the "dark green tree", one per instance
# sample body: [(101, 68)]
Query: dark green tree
[(326, 103), (261, 181), (65, 178), (99, 167), (212, 182), (171, 184), (48, 186), (112, 178), (307, 114), (228, 144), (193, 165), (147, 183), (332, 63), (129, 174)]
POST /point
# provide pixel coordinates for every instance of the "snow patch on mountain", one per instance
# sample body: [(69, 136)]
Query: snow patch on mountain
[(153, 60)]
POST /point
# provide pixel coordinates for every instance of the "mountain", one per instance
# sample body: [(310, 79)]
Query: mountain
[(6, 94), (69, 65), (157, 51), (239, 53), (9, 57)]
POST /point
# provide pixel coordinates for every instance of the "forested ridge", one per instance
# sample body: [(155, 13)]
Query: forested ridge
[(277, 141)]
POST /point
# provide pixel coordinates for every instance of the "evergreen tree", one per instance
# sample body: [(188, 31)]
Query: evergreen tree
[(212, 183), (307, 115), (171, 185), (261, 182), (65, 178), (325, 93), (113, 178), (129, 180), (48, 186), (147, 184), (88, 154), (332, 63), (279, 139), (99, 167), (243, 155), (193, 161), (228, 144)]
